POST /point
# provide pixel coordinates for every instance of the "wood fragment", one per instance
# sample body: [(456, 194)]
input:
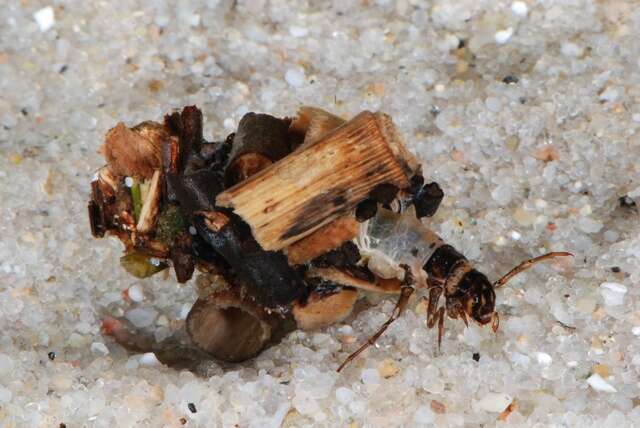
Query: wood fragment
[(328, 237), (135, 152), (151, 205), (266, 274), (228, 327), (260, 140), (315, 123), (322, 182)]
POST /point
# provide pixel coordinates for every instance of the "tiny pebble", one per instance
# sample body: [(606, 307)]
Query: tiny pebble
[(141, 317), (596, 382), (388, 368), (5, 394), (297, 31), (128, 181), (519, 8), (613, 293), (503, 36), (494, 402), (45, 18), (136, 293), (99, 348), (424, 415), (192, 230), (494, 104), (610, 94), (345, 395), (370, 377), (543, 358), (149, 359), (228, 123), (636, 330), (6, 365), (294, 77)]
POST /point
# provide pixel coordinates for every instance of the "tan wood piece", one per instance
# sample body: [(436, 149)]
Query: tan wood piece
[(321, 182)]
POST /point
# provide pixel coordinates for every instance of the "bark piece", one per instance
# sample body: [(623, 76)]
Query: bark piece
[(267, 274), (196, 191), (314, 123), (228, 327), (260, 140), (327, 238), (182, 257), (321, 182), (135, 152)]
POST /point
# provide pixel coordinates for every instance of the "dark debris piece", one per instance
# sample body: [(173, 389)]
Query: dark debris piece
[(476, 356), (346, 255), (510, 79), (51, 355), (267, 274), (427, 200), (192, 408), (627, 202), (366, 210)]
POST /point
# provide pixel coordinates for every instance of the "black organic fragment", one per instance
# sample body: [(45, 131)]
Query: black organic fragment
[(272, 281), (427, 200)]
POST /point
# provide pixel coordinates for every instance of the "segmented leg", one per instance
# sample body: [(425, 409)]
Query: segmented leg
[(462, 314), (526, 265), (440, 326), (405, 293), (432, 308)]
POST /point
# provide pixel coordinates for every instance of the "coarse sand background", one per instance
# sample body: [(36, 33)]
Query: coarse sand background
[(527, 113)]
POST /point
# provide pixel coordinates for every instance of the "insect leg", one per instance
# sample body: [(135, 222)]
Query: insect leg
[(432, 308), (440, 326), (526, 265), (405, 293)]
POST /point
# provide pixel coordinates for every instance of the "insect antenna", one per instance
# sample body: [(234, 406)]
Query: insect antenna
[(526, 265), (405, 293)]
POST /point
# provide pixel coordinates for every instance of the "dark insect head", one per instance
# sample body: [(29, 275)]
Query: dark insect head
[(479, 299)]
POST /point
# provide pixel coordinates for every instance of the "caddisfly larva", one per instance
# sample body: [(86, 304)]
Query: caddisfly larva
[(391, 241)]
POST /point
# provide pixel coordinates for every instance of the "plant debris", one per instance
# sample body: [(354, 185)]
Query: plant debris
[(289, 215)]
